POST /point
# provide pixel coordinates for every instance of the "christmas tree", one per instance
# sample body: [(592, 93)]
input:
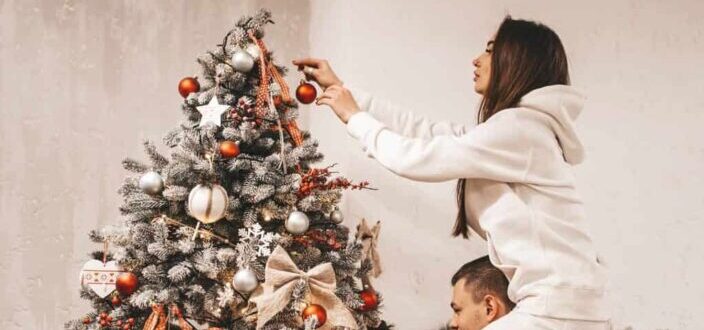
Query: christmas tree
[(235, 229)]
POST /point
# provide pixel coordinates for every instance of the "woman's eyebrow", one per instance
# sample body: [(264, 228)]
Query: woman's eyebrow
[(489, 43)]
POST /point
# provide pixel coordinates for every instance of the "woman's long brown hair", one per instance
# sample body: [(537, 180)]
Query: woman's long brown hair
[(526, 55)]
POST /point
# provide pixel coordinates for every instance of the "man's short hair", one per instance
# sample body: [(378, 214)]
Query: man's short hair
[(482, 278)]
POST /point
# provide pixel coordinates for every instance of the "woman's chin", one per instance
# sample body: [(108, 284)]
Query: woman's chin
[(478, 90)]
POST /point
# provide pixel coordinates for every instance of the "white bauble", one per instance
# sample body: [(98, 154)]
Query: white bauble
[(245, 281), (242, 61), (253, 51), (297, 223), (151, 182), (208, 204), (336, 216)]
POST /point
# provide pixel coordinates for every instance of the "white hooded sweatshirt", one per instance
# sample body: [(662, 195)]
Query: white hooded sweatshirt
[(520, 194)]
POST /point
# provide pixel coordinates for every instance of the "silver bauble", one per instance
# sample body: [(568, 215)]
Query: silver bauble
[(253, 51), (336, 216), (297, 223), (207, 203), (245, 281), (151, 182), (242, 61)]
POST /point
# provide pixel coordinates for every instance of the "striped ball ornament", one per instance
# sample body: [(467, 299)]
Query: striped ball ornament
[(208, 204)]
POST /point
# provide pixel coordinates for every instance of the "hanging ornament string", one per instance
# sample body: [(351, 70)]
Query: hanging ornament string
[(283, 146), (105, 251)]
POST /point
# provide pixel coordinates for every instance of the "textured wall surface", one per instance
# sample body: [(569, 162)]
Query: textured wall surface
[(82, 83)]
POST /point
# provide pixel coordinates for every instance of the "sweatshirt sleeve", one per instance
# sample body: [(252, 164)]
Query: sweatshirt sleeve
[(403, 122), (495, 150)]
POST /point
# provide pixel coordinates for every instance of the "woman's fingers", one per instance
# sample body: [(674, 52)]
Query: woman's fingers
[(329, 96), (307, 61)]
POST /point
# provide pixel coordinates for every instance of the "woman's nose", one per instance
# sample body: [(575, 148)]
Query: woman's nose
[(475, 62)]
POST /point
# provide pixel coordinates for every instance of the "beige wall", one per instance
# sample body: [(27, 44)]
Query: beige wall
[(83, 82)]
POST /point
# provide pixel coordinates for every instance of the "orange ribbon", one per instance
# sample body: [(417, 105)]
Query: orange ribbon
[(265, 70), (158, 319)]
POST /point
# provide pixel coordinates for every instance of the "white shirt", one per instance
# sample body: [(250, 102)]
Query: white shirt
[(520, 194)]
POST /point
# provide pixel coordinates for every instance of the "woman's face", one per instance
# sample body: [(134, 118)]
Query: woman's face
[(483, 68)]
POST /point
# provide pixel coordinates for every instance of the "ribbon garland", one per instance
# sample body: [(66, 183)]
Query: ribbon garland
[(266, 70), (158, 319), (281, 276)]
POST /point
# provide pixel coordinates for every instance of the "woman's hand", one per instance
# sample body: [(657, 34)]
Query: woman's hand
[(340, 100), (318, 70)]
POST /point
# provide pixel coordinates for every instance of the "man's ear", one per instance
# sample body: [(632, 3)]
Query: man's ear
[(494, 308)]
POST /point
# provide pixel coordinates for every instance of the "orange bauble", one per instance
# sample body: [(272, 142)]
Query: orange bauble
[(229, 149), (306, 93), (318, 311), (369, 299), (126, 283), (187, 86)]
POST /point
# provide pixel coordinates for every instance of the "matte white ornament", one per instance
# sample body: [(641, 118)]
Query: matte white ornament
[(207, 203), (212, 112), (336, 216), (297, 223), (253, 51), (100, 277), (245, 281), (242, 61), (151, 182)]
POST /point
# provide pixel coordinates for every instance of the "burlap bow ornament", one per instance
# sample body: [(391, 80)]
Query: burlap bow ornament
[(369, 238), (282, 274)]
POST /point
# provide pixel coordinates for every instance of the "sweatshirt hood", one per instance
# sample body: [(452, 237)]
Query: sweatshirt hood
[(562, 104)]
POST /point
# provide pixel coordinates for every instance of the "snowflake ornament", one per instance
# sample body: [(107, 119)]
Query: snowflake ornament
[(258, 239)]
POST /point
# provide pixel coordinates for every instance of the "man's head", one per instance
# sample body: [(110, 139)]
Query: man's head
[(478, 295)]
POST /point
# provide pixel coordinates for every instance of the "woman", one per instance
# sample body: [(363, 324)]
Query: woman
[(515, 185)]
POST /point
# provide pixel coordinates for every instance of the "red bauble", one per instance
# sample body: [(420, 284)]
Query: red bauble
[(318, 311), (187, 86), (126, 283), (306, 93), (370, 300), (116, 301), (229, 149), (87, 320)]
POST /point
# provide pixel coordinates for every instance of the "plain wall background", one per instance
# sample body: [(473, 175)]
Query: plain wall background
[(82, 83)]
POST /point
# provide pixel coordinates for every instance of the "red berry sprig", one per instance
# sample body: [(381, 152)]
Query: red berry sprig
[(319, 179)]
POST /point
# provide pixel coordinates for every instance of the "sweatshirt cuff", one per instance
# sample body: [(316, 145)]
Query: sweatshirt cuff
[(361, 124)]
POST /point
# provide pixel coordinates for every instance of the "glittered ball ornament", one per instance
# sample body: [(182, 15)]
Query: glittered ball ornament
[(126, 283), (297, 223), (317, 311), (306, 93), (242, 61), (229, 149), (336, 216), (370, 300), (245, 281), (188, 85), (151, 182), (207, 203)]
